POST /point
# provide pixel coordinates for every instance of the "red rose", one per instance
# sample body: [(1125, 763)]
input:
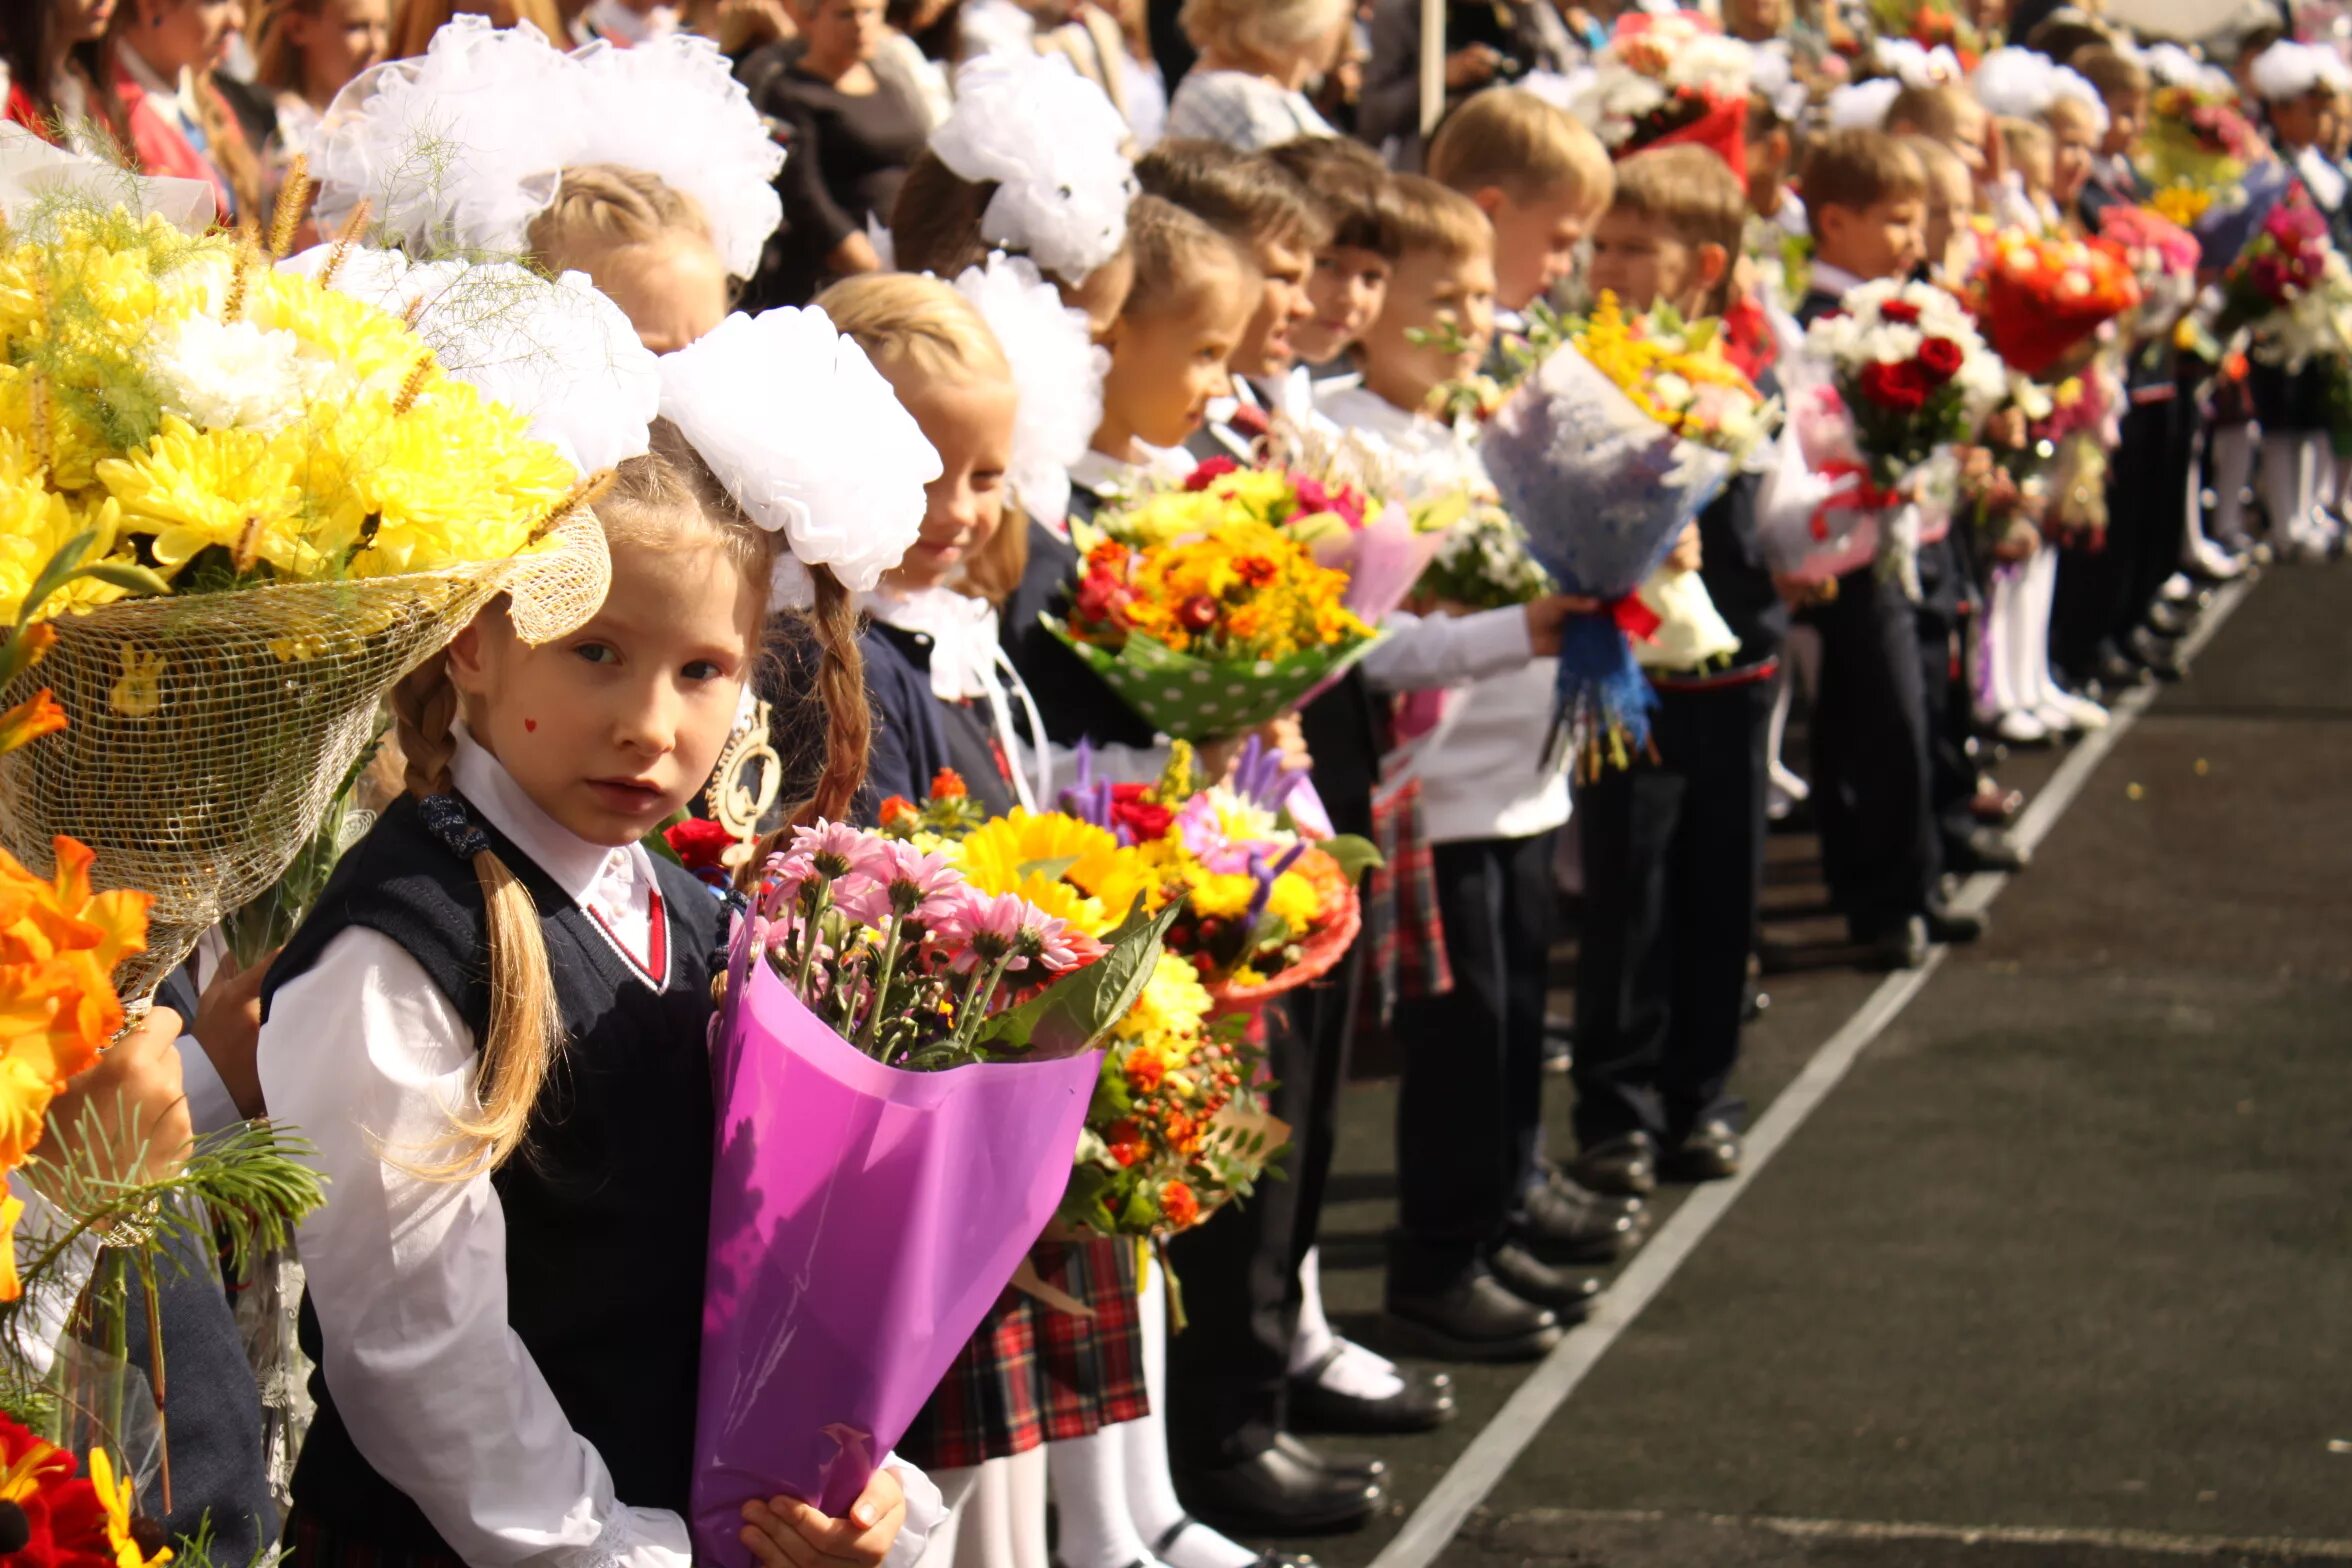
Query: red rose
[(1940, 358), (1146, 820), (698, 842), (1902, 388), (1899, 310), (1198, 613), (1209, 473)]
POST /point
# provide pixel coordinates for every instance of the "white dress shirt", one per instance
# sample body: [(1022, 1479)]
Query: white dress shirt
[(368, 1059), (1243, 110)]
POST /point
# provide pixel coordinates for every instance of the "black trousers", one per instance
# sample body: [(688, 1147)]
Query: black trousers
[(1947, 592), (2105, 589), (1870, 756), (1470, 1103), (1673, 868), (1228, 1372)]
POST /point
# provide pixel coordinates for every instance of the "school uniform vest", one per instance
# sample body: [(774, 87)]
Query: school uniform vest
[(607, 1205), (917, 732)]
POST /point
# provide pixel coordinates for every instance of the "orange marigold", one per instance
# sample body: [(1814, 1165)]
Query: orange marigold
[(895, 810), (948, 784), (1179, 1205)]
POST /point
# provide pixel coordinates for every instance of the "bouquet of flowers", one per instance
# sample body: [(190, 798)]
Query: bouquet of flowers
[(2291, 289), (2195, 151), (900, 1070), (1662, 80), (1176, 1128), (1484, 565), (1871, 455), (1620, 438), (2161, 254), (1210, 626), (242, 504), (2036, 300)]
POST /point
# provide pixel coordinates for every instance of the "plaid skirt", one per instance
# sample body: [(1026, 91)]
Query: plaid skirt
[(1032, 1375)]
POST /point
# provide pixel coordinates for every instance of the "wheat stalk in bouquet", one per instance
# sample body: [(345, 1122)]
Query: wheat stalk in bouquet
[(236, 506)]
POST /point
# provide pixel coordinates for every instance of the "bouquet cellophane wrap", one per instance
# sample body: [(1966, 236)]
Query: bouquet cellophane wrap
[(1320, 953), (1601, 491), (863, 1221), (210, 731), (1197, 699), (1383, 560)]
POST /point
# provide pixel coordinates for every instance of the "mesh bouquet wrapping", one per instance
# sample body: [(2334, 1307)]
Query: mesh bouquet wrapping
[(1191, 698), (1601, 490), (210, 732)]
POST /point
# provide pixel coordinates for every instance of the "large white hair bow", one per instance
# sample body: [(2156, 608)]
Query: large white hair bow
[(1056, 149), (809, 439), (464, 145), (1057, 370)]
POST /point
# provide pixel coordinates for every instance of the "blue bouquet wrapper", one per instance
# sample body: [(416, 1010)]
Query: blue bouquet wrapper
[(1601, 490), (2227, 228)]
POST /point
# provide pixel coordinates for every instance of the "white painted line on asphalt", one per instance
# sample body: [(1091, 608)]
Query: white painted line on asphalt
[(1482, 1465), (2164, 1543)]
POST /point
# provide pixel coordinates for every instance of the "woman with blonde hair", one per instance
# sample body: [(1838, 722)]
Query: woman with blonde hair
[(1256, 56)]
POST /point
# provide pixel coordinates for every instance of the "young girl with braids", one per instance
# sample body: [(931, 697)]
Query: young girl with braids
[(492, 1028), (646, 244)]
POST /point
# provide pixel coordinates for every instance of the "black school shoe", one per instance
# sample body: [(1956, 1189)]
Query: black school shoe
[(1712, 1152), (1476, 1318), (1564, 1220), (1624, 1166), (1425, 1403), (1569, 1295), (1276, 1493)]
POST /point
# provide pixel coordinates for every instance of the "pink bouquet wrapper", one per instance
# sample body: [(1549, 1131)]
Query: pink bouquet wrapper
[(863, 1221), (1383, 560)]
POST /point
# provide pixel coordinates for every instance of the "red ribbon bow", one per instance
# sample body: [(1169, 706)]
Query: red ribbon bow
[(1634, 618), (1862, 495)]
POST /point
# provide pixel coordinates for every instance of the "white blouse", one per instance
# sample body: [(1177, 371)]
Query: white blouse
[(365, 1056), (1244, 111)]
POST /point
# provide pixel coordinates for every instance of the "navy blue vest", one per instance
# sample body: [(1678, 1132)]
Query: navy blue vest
[(607, 1206)]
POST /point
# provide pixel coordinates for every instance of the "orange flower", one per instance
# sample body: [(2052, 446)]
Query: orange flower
[(948, 784), (897, 809), (1145, 1069), (29, 720), (1179, 1205), (59, 945), (1126, 1142)]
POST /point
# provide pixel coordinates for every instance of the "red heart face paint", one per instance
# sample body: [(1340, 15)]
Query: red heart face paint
[(530, 726)]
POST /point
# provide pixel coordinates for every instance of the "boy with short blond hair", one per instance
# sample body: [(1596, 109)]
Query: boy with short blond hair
[(1865, 200), (1537, 173), (1673, 846), (1463, 1284)]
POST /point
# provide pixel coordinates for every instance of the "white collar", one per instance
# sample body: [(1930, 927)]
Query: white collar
[(623, 25), (570, 861), (2322, 176), (151, 82), (1104, 475), (1833, 280), (962, 630)]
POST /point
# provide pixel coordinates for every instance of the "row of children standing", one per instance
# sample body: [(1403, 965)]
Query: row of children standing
[(497, 1432)]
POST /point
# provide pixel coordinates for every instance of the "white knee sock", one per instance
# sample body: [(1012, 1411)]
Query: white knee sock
[(2285, 495), (1090, 1497), (957, 1489), (1151, 1489), (2232, 466), (1024, 1495), (1355, 1371), (2041, 576), (1996, 691)]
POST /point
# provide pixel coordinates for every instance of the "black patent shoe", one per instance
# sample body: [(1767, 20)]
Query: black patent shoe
[(1569, 1295), (1902, 946), (1711, 1153), (1425, 1403), (1369, 1468), (1625, 1166), (1950, 924), (1475, 1319), (1564, 1220), (1275, 1494), (1266, 1559)]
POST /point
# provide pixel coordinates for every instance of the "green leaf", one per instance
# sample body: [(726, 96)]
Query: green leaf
[(56, 574), (657, 842), (126, 575), (1077, 1010), (1050, 868), (1355, 854)]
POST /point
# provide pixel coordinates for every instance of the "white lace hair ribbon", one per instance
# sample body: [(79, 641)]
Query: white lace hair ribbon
[(552, 349), (465, 144), (809, 439), (1057, 371), (1056, 149)]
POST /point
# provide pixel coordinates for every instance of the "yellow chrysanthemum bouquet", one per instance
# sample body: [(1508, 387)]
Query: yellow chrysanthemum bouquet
[(236, 505)]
